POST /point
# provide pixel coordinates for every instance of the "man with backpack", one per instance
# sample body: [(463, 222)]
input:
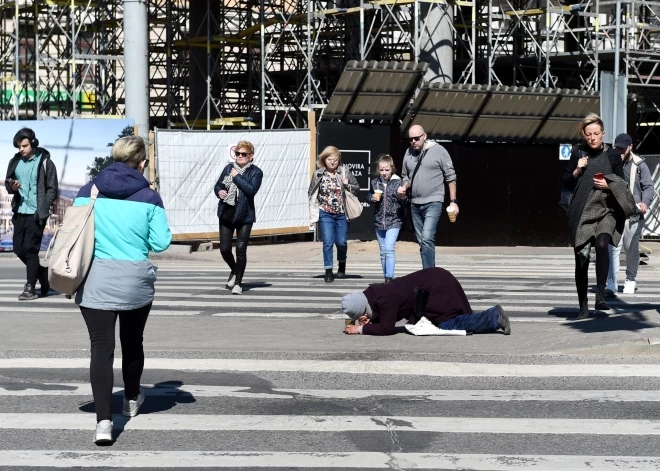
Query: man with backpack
[(640, 182), (32, 179)]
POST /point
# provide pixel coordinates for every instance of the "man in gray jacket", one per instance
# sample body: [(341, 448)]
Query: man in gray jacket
[(427, 188), (32, 179), (639, 179)]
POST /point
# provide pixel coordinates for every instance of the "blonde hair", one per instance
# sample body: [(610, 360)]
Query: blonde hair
[(246, 145), (327, 152), (385, 159), (591, 118), (130, 150)]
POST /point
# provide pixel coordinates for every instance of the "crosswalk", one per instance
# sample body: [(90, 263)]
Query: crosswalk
[(351, 408)]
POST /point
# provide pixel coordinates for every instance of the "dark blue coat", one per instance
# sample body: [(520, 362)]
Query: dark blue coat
[(248, 184)]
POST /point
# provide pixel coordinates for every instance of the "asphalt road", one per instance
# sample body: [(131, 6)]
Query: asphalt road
[(267, 380)]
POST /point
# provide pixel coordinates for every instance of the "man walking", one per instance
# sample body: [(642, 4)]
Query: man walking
[(639, 179), (426, 168), (32, 179)]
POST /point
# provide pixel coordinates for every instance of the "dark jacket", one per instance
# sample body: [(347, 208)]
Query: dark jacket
[(607, 161), (46, 185), (395, 301), (389, 211), (248, 184)]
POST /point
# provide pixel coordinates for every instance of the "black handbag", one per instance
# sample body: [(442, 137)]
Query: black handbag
[(408, 224)]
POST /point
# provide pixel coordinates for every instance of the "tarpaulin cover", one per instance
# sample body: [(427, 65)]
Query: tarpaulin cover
[(190, 163)]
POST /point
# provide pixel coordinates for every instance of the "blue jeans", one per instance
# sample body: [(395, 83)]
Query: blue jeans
[(386, 241), (334, 230), (425, 219), (477, 322)]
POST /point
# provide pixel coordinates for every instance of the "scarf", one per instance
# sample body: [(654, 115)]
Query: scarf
[(232, 189)]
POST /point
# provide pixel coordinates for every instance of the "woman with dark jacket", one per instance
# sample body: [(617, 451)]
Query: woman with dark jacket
[(236, 188), (129, 221), (599, 204), (327, 206), (388, 214)]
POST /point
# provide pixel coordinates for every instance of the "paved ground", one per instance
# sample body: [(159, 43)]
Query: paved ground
[(268, 381)]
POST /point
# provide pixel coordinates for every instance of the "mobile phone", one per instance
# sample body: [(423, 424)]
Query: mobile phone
[(598, 176), (12, 181)]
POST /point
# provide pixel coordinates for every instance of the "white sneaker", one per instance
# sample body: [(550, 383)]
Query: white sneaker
[(611, 289), (103, 432), (629, 287), (231, 281), (131, 408), (237, 290)]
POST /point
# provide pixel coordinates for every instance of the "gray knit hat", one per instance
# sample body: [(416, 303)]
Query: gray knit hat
[(354, 305)]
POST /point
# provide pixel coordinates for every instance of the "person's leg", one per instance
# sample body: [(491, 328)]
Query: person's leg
[(634, 233), (582, 284), (380, 236), (131, 330), (613, 274), (477, 322), (19, 236), (390, 256), (417, 214), (327, 223), (101, 328), (602, 267), (226, 235), (341, 241), (31, 245), (242, 240), (431, 212)]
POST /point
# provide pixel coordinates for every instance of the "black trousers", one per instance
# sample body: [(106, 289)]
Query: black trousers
[(28, 233), (101, 327), (242, 238)]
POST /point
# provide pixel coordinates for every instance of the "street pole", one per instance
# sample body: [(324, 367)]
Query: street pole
[(136, 64)]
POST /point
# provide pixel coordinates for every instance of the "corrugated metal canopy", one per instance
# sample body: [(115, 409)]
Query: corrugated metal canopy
[(374, 90), (500, 114)]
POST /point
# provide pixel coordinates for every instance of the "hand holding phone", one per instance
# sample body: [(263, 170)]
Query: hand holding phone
[(15, 185)]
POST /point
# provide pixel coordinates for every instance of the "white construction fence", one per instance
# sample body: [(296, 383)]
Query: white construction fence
[(189, 164)]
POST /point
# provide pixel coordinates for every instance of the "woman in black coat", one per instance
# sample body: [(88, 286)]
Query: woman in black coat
[(238, 184), (594, 214)]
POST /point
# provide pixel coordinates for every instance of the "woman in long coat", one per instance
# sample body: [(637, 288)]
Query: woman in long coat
[(599, 204)]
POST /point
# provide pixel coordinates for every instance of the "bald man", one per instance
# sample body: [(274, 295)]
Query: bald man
[(427, 185)]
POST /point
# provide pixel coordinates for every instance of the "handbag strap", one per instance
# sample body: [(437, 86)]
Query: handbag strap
[(419, 162)]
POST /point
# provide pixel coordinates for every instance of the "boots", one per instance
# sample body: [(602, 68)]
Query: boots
[(584, 308), (341, 271), (329, 278), (601, 305), (503, 322)]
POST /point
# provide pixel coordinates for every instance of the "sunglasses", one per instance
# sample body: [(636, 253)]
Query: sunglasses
[(241, 154), (415, 138)]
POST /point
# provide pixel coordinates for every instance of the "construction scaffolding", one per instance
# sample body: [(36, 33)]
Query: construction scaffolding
[(267, 63)]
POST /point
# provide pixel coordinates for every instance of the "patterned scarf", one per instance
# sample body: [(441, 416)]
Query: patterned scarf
[(232, 189)]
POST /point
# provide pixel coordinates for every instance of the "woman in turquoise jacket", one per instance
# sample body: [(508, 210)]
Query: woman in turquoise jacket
[(129, 221)]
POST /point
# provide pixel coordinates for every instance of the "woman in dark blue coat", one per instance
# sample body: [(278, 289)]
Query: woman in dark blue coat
[(236, 188)]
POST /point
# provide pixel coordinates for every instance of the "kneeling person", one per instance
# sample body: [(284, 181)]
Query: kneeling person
[(433, 293)]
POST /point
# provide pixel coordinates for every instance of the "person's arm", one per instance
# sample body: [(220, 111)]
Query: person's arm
[(219, 186), (249, 185), (572, 171), (51, 183), (385, 323), (646, 182), (160, 235), (617, 163), (353, 185)]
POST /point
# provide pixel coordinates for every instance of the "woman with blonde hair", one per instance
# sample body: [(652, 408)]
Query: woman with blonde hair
[(327, 207), (129, 221), (599, 204), (236, 188)]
